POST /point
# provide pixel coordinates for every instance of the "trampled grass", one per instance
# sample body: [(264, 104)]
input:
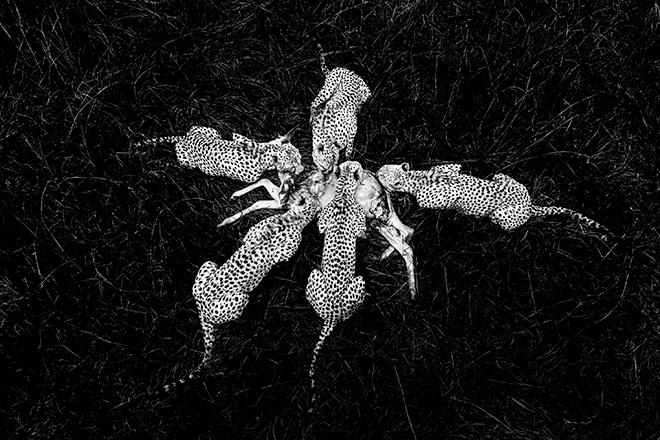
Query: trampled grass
[(542, 333)]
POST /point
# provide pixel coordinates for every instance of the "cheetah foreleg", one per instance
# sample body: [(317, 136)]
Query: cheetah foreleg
[(353, 296)]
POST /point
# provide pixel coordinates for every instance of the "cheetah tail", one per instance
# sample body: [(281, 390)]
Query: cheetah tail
[(538, 211), (324, 67), (159, 140), (328, 326), (168, 387)]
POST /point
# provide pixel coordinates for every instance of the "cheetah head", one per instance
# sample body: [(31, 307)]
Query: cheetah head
[(279, 154), (304, 201), (393, 177), (351, 170), (286, 157), (325, 157), (280, 141), (287, 160)]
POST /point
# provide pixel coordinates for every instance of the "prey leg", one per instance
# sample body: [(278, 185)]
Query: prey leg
[(405, 231), (273, 190), (256, 206), (396, 241)]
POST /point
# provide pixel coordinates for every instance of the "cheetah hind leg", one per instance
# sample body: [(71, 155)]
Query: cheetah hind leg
[(202, 290), (314, 292), (238, 304), (510, 217), (353, 297)]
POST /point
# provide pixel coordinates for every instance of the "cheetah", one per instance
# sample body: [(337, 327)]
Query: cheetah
[(504, 200), (333, 114), (240, 159), (370, 195), (221, 292), (335, 292)]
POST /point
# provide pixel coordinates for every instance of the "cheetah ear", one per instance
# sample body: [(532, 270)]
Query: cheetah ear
[(405, 166), (287, 137)]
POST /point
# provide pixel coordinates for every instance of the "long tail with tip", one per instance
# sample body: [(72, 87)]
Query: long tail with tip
[(160, 140), (539, 211), (324, 68), (328, 326), (194, 374)]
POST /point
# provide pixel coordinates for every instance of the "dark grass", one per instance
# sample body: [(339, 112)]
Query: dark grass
[(542, 333)]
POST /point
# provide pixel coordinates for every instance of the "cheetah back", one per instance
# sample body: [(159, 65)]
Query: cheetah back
[(343, 94)]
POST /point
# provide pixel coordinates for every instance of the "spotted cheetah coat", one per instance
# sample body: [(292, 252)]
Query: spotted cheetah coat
[(221, 292), (240, 158), (334, 291), (504, 200), (334, 115)]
